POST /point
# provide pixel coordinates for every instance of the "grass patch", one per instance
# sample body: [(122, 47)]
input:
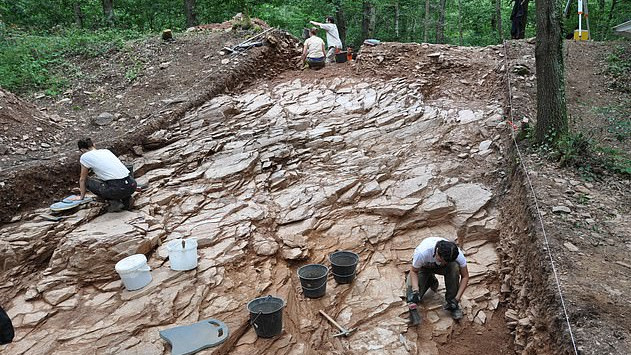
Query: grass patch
[(28, 62)]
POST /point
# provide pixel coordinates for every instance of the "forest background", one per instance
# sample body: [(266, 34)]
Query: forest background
[(35, 35)]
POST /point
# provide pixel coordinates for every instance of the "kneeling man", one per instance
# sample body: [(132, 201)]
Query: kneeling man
[(438, 256)]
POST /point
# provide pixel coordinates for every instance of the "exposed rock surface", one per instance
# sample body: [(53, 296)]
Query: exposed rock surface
[(277, 177)]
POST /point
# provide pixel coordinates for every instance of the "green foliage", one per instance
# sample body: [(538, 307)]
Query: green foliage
[(577, 150), (615, 160), (572, 149), (618, 120), (27, 60), (619, 62), (619, 68)]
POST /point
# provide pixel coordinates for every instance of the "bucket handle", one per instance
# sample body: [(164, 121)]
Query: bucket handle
[(253, 321), (334, 274)]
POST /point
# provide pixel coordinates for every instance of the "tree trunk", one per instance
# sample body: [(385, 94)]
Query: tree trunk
[(189, 10), (396, 19), (459, 23), (498, 23), (440, 25), (426, 34), (341, 20), (78, 14), (613, 5), (108, 12), (368, 20), (519, 19), (551, 108)]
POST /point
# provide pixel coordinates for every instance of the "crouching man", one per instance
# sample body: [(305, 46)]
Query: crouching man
[(433, 256), (113, 181)]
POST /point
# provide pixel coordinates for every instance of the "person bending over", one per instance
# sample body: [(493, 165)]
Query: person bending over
[(332, 37), (313, 50), (113, 181), (433, 256)]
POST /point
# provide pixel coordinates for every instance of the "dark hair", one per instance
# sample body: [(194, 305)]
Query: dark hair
[(330, 19), (85, 143), (448, 251)]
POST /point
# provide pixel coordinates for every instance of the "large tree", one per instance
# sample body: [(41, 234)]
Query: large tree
[(427, 22), (191, 15), (340, 20), (551, 109), (369, 18), (440, 24), (108, 12), (519, 19)]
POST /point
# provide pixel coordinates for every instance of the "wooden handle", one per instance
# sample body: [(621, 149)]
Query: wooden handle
[(332, 321)]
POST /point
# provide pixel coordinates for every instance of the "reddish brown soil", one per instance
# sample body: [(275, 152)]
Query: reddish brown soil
[(492, 338)]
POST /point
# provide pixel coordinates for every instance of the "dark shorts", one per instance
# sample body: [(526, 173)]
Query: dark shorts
[(119, 189), (316, 63), (6, 328)]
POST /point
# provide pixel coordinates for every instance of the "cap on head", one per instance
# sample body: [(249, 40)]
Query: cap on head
[(313, 31), (448, 251), (85, 143)]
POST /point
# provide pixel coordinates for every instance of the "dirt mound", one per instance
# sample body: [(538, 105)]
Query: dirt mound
[(25, 129), (237, 21)]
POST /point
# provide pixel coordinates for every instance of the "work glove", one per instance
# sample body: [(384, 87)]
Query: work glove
[(416, 297)]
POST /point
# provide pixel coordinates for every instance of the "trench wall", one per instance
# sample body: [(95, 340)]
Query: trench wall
[(535, 314)]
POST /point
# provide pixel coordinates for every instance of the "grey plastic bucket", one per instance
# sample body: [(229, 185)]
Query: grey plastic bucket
[(344, 266), (313, 280), (266, 316)]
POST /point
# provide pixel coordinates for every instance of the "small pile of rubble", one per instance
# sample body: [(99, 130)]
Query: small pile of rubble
[(24, 128)]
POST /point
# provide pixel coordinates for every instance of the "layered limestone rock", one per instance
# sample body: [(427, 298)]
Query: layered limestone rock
[(267, 181)]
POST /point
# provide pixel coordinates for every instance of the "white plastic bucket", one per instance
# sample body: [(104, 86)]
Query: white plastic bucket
[(134, 271), (182, 254)]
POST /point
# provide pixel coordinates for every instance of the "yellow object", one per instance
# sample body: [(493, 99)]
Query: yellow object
[(582, 36)]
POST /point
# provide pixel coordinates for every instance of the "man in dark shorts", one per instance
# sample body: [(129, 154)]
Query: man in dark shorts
[(113, 181)]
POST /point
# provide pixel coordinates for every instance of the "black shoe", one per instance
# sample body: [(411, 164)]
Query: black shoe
[(453, 308), (115, 206), (433, 283), (127, 203)]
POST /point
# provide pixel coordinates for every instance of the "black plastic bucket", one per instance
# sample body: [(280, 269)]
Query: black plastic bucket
[(344, 266), (313, 280), (340, 57), (266, 316)]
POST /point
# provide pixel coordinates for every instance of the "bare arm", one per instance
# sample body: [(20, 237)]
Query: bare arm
[(82, 179), (315, 23), (323, 50), (464, 282), (304, 53)]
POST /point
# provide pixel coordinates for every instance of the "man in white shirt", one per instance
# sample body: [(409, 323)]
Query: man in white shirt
[(113, 181), (332, 37), (433, 256), (313, 50)]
